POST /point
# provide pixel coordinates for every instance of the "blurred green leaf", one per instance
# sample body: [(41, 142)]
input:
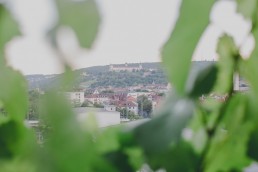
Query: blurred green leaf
[(107, 141), (9, 28), (17, 165), (230, 139), (204, 81), (227, 52), (180, 157), (69, 147), (11, 136), (13, 93), (178, 51), (120, 161), (252, 145), (136, 157), (248, 68), (252, 111), (82, 16), (247, 8), (165, 128)]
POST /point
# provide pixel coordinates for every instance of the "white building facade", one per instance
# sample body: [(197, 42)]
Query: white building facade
[(76, 98)]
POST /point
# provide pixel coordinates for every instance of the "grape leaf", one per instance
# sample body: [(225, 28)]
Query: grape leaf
[(166, 127), (82, 16), (13, 93), (204, 81), (178, 51), (227, 52), (247, 8), (230, 139), (9, 28)]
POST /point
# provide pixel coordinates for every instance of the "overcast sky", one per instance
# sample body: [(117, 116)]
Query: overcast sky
[(132, 31)]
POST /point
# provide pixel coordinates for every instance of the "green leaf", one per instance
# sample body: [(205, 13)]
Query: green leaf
[(11, 135), (136, 157), (204, 81), (120, 160), (179, 157), (230, 139), (17, 164), (13, 93), (82, 16), (228, 54), (252, 145), (252, 112), (9, 27), (68, 147), (248, 68), (166, 128), (247, 8), (178, 51), (107, 141)]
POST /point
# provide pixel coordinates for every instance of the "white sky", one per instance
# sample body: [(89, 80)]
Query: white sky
[(132, 31)]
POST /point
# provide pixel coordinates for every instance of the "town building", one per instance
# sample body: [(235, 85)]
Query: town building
[(128, 105), (137, 94), (103, 117), (97, 98), (110, 108), (125, 67), (76, 98)]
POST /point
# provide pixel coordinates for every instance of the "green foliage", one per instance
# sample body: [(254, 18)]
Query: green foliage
[(204, 81), (227, 51), (125, 113), (186, 134), (34, 102), (9, 28), (155, 138), (144, 106), (97, 105), (178, 51), (13, 93), (247, 8), (70, 12)]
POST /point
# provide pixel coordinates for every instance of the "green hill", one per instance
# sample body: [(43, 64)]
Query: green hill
[(100, 76)]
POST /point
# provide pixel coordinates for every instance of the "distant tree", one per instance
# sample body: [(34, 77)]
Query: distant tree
[(144, 106), (161, 94), (107, 91), (86, 103), (34, 98), (98, 105), (125, 113)]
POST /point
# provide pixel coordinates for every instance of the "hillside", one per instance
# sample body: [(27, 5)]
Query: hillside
[(100, 76)]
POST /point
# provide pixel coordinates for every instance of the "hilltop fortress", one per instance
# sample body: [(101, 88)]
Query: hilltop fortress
[(125, 67)]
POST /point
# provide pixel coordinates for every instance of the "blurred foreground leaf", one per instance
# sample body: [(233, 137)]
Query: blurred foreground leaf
[(178, 51), (68, 148), (9, 28), (247, 8), (82, 16), (13, 93), (165, 128), (204, 81), (227, 51), (230, 139), (11, 134), (249, 68), (179, 157)]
